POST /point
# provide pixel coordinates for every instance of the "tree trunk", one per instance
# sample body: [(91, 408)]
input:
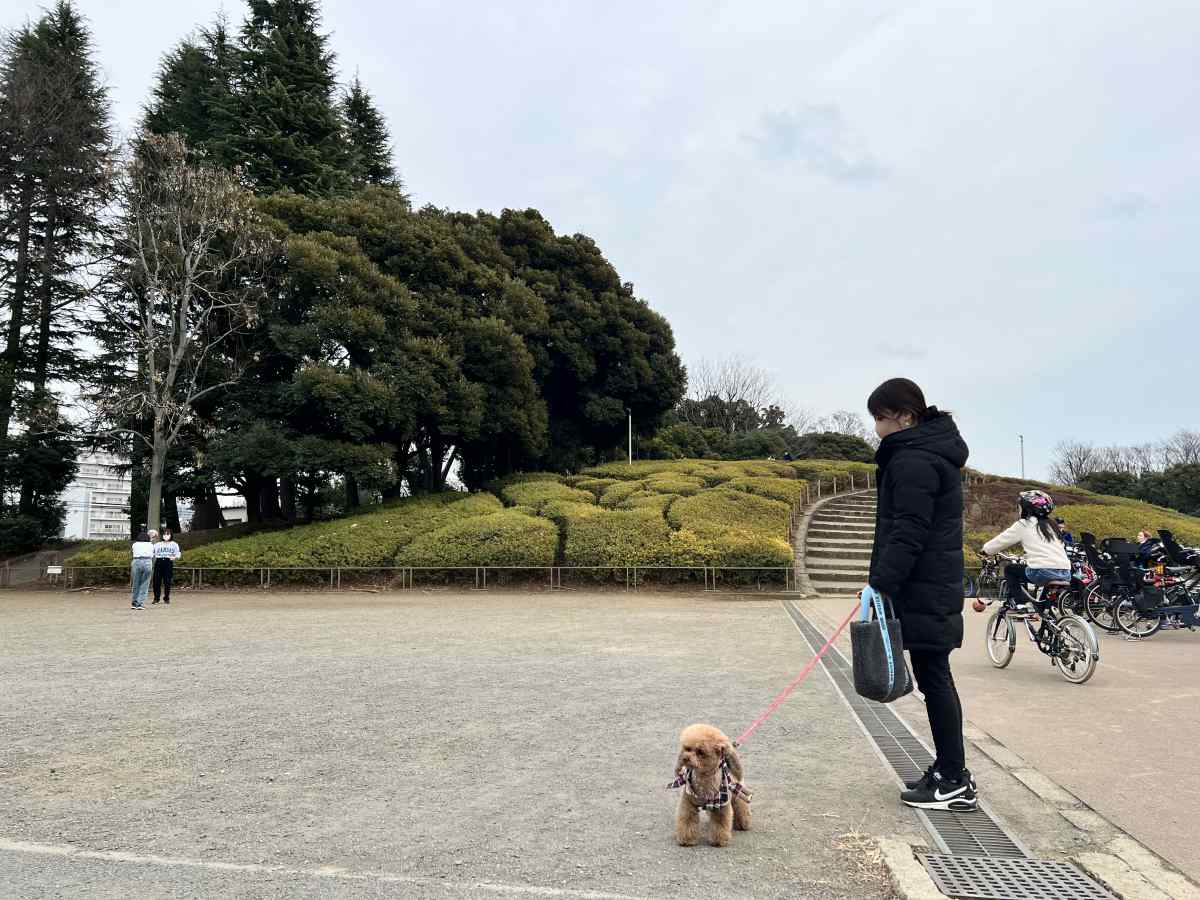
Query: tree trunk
[(352, 500), (269, 500), (207, 513), (41, 360), (252, 490), (171, 511), (158, 464), (11, 358), (287, 498)]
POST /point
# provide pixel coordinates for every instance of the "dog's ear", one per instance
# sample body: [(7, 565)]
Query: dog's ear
[(680, 763), (731, 757)]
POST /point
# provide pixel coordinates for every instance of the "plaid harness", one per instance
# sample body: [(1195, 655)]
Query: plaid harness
[(729, 788)]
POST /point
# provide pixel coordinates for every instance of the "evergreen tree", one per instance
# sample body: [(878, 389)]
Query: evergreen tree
[(370, 147), (194, 94), (55, 151), (290, 133)]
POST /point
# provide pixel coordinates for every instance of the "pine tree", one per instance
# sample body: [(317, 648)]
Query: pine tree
[(290, 133), (371, 151), (194, 94), (56, 151)]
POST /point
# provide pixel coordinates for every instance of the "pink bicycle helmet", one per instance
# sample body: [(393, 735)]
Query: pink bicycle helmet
[(1037, 503)]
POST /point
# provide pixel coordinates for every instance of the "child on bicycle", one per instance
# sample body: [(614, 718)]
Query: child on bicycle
[(1042, 540)]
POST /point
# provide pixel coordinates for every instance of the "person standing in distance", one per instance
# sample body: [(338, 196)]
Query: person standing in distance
[(166, 552), (139, 572), (917, 562)]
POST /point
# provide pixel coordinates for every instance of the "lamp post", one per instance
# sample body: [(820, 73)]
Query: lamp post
[(629, 412), (1022, 439)]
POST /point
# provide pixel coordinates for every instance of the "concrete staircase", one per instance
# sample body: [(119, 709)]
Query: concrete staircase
[(837, 547)]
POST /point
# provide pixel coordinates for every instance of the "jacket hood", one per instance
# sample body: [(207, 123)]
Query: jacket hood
[(937, 435)]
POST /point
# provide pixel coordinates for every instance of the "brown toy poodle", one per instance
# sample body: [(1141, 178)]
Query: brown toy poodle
[(710, 773)]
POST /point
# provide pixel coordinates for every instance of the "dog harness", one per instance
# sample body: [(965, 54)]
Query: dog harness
[(729, 788)]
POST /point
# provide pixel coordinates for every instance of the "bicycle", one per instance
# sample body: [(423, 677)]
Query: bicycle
[(1068, 640), (988, 580)]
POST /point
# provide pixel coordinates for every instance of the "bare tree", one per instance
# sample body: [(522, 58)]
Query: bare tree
[(1181, 449), (188, 275), (1073, 461), (845, 422)]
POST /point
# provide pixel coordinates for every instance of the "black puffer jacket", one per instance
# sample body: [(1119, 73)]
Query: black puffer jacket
[(917, 558)]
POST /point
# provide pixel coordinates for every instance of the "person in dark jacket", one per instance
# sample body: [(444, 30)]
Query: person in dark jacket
[(917, 563)]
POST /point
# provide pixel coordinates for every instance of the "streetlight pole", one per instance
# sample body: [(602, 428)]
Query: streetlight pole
[(630, 411), (1022, 437)]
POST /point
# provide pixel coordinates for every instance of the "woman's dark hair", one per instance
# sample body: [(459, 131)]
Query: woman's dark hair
[(142, 536), (1047, 526), (899, 395)]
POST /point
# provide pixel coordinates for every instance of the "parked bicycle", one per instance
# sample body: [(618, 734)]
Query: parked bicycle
[(1141, 600), (1067, 639)]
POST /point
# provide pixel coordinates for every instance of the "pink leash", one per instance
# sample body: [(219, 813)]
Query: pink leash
[(795, 683)]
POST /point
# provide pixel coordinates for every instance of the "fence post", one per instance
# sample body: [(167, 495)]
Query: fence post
[(268, 577)]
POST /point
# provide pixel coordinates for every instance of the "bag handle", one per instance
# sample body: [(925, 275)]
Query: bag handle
[(873, 602)]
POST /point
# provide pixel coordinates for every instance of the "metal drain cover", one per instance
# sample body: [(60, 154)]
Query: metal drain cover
[(992, 878)]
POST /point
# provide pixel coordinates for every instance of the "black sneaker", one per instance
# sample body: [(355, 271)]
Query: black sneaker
[(152, 602), (923, 782), (959, 795)]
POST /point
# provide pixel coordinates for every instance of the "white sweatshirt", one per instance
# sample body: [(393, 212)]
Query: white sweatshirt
[(143, 550), (1039, 552)]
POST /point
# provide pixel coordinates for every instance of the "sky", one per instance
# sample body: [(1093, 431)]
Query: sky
[(998, 200)]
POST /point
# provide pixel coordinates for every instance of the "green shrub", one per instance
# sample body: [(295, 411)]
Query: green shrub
[(786, 490), (650, 500), (620, 492), (621, 537), (506, 538), (673, 483), (825, 470), (536, 493), (721, 511), (745, 549), (596, 485)]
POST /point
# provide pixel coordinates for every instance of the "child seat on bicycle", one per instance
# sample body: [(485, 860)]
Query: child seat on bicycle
[(1038, 534)]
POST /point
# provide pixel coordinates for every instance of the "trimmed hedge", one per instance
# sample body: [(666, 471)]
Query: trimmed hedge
[(369, 539), (538, 493), (672, 483), (596, 485), (658, 502), (786, 490), (721, 511), (618, 493), (506, 538)]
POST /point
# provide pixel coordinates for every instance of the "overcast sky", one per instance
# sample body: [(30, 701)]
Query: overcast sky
[(998, 200)]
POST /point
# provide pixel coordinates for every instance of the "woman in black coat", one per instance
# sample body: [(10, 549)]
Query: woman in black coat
[(917, 562)]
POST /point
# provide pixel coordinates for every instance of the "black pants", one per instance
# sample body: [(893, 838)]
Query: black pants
[(164, 574), (1015, 575), (931, 668)]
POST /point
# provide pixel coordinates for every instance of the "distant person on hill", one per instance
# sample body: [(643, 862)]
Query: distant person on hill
[(917, 562), (166, 552), (1067, 537), (1148, 547), (139, 573)]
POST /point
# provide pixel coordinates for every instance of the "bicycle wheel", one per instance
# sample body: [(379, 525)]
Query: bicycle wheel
[(1069, 602), (1134, 622), (1099, 608), (1078, 650), (1001, 639)]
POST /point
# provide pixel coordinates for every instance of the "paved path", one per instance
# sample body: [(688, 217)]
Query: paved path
[(1125, 743), (421, 744)]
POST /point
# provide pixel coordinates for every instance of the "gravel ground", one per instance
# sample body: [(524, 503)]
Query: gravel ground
[(419, 744)]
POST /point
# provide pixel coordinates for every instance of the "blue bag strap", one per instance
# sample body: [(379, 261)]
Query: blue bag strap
[(881, 617)]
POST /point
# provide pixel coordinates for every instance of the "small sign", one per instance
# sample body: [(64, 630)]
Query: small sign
[(54, 570)]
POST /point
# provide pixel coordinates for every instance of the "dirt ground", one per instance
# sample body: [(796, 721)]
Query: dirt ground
[(418, 744)]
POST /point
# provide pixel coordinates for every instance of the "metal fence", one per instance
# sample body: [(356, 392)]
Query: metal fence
[(712, 578)]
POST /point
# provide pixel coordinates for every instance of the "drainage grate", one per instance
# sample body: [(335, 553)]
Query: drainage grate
[(980, 878), (971, 834)]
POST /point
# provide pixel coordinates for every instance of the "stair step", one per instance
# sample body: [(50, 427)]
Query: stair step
[(831, 555), (843, 517), (824, 529), (827, 534), (848, 524), (835, 588), (839, 563), (838, 575)]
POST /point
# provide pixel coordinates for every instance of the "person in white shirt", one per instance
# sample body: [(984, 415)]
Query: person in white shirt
[(139, 572), (166, 552), (1039, 536)]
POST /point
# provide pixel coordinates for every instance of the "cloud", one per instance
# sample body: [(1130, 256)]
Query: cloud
[(1124, 207), (901, 351), (816, 137)]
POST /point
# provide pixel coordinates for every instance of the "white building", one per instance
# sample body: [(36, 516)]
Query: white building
[(97, 499), (233, 508)]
